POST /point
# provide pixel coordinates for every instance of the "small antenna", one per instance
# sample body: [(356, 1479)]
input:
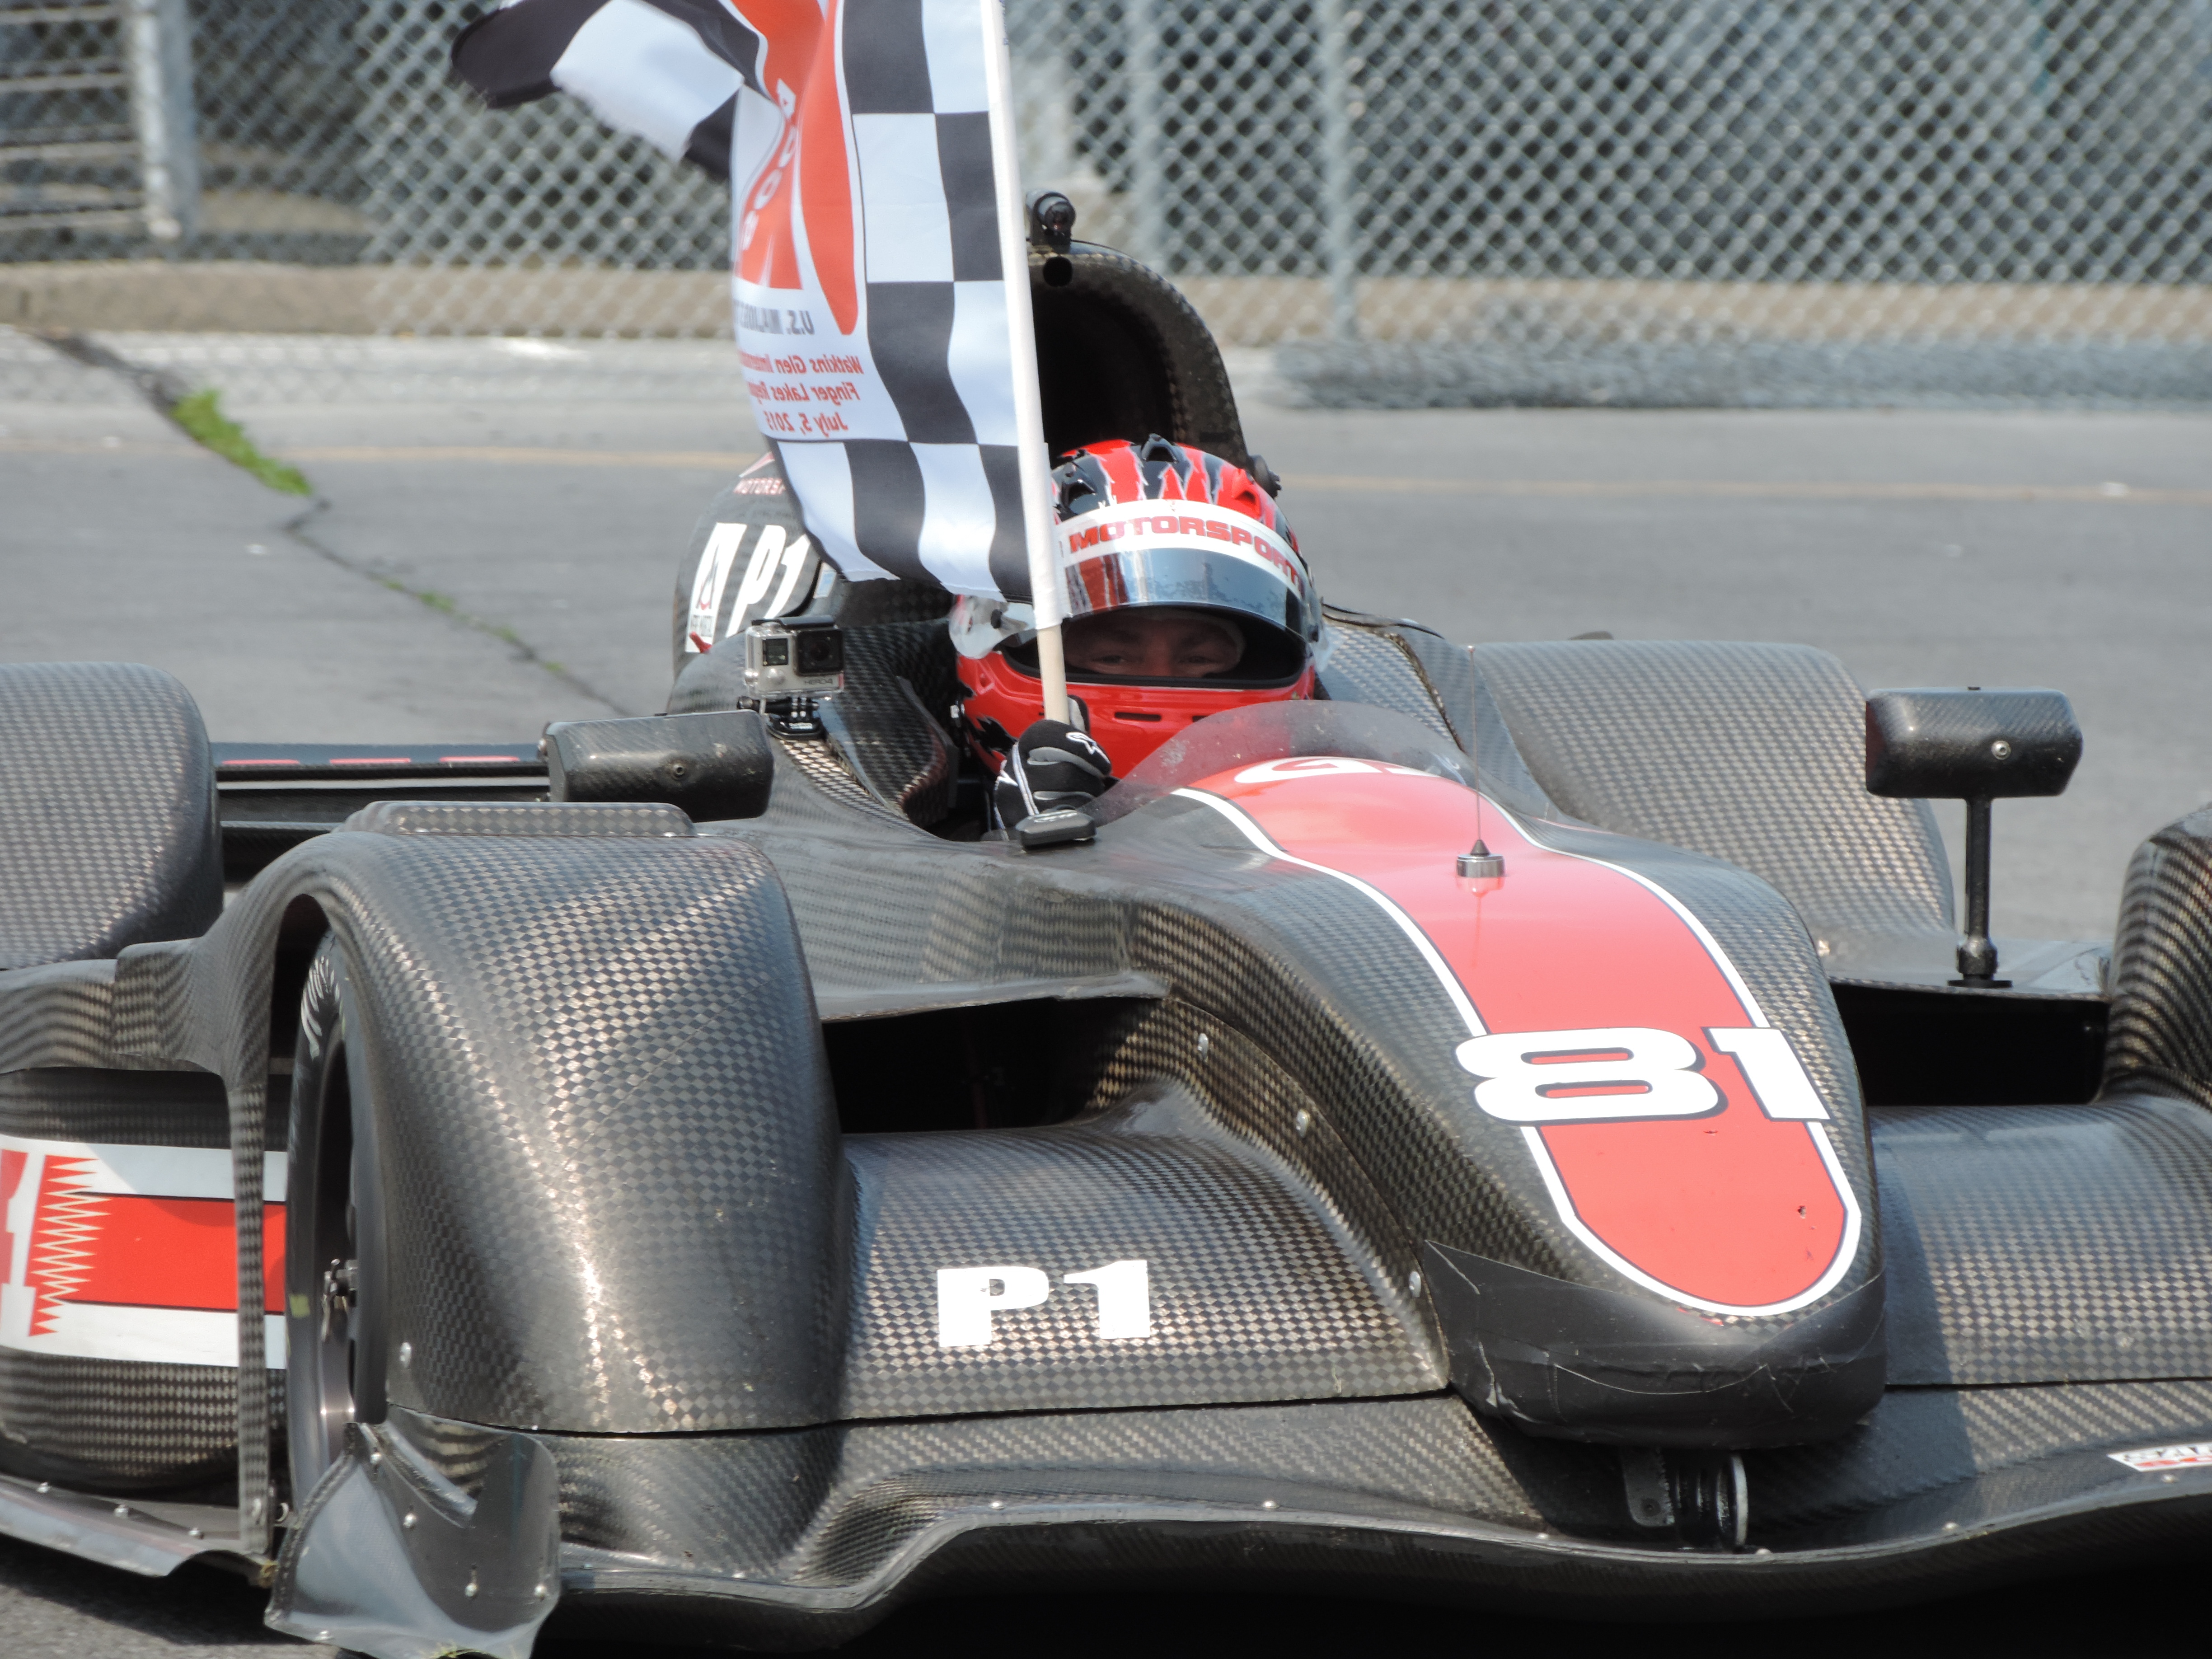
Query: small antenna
[(1481, 863), (1478, 863)]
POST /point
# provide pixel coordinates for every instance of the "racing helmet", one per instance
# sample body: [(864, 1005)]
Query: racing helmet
[(1158, 533)]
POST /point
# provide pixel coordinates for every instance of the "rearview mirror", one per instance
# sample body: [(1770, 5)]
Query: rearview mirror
[(1941, 744), (1952, 744), (714, 765)]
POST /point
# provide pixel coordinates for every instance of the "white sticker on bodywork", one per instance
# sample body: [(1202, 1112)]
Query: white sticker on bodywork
[(708, 582), (2150, 1459), (127, 1252), (967, 1298)]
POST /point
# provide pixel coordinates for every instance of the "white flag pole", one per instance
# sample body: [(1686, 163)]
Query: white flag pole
[(1021, 338)]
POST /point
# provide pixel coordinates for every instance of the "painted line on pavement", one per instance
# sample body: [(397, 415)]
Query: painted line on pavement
[(699, 460), (2109, 494), (1777, 490), (705, 461)]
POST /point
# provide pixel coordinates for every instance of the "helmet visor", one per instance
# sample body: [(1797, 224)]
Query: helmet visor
[(1184, 553)]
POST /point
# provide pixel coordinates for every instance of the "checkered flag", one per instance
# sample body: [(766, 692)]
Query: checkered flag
[(877, 226)]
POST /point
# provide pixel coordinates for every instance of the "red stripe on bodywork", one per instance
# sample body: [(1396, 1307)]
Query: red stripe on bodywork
[(1734, 1210), (175, 1253)]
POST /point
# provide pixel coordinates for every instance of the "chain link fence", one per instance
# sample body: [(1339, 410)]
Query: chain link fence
[(1625, 202)]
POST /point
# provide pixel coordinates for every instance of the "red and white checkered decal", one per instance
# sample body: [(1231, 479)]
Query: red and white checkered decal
[(128, 1252), (871, 309)]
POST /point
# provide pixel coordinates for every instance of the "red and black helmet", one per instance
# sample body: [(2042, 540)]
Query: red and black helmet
[(1150, 526)]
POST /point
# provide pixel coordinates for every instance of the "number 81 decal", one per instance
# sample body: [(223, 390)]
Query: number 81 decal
[(1610, 1073)]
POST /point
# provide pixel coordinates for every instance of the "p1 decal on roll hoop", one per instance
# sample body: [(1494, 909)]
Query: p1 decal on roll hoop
[(1676, 1130)]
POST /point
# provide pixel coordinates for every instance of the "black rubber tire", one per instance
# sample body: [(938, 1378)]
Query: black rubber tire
[(333, 1215)]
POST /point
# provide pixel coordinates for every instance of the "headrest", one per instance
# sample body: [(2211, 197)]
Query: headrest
[(1121, 354)]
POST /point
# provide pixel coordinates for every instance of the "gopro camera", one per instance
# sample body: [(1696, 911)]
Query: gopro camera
[(794, 657)]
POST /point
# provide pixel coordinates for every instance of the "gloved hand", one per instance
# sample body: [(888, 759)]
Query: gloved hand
[(1052, 765)]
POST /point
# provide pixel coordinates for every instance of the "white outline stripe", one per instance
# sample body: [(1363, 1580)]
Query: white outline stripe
[(1712, 947), (1847, 1248), (1252, 833)]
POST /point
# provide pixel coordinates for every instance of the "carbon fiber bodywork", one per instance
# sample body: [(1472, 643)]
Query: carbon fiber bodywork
[(2161, 1038), (1254, 1295), (1949, 745), (643, 1289), (1299, 993), (801, 1537), (1120, 353), (107, 812), (2047, 1244), (1744, 752)]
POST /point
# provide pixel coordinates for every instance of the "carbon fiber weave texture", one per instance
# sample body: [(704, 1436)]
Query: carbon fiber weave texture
[(1306, 970), (156, 1009), (1953, 743), (611, 1162), (1172, 890), (606, 1091), (2160, 1040), (1408, 669), (120, 1425), (1750, 753), (1366, 664), (644, 819), (813, 781), (888, 742), (1931, 1456), (895, 675), (1490, 1514), (106, 810), (2047, 1244), (1183, 1056), (137, 1011), (1120, 350), (117, 1108), (57, 1015), (1252, 1295), (985, 912), (833, 1506)]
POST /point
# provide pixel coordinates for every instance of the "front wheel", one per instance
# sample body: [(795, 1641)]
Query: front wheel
[(333, 1257)]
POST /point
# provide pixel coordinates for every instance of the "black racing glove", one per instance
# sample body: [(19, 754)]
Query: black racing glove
[(1052, 765)]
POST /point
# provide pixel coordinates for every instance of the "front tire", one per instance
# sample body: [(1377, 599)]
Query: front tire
[(333, 1260)]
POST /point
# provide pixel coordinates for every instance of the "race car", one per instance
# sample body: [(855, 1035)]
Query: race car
[(1517, 1127)]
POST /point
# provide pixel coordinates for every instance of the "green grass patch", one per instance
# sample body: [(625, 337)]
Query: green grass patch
[(204, 421)]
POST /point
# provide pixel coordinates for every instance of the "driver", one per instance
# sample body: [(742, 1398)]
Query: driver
[(1186, 595)]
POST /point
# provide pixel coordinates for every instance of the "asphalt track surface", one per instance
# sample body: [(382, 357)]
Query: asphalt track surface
[(493, 545)]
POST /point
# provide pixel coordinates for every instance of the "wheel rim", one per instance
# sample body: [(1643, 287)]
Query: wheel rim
[(323, 1272)]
